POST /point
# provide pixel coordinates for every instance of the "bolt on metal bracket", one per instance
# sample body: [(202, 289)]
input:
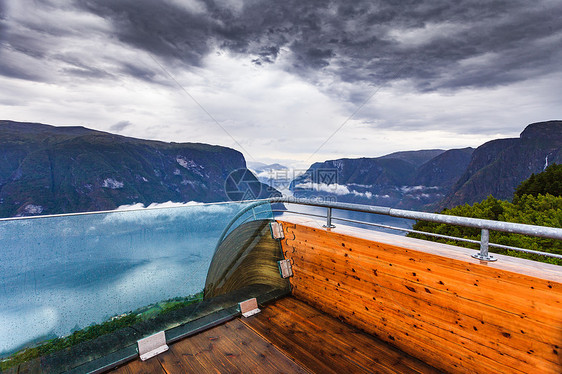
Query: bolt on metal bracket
[(285, 268), (152, 345), (277, 230)]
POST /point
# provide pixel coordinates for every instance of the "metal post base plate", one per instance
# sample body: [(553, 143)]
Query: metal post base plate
[(484, 258)]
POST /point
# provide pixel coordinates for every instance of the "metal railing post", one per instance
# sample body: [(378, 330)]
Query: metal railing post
[(484, 240), (328, 224)]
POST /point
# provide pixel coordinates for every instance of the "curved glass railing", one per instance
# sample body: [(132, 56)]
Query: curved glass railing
[(83, 288)]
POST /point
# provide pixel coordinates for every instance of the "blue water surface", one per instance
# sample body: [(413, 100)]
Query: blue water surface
[(63, 273)]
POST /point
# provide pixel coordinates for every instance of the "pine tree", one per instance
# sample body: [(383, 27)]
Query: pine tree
[(547, 182)]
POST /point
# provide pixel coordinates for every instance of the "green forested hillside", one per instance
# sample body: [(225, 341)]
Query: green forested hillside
[(549, 181), (538, 201)]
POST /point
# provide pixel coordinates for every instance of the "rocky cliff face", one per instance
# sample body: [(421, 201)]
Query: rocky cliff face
[(46, 170), (445, 169), (410, 180), (499, 166)]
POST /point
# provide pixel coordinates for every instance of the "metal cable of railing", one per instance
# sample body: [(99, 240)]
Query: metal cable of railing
[(484, 225)]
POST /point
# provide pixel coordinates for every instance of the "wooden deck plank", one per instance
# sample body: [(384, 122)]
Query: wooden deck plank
[(294, 346), (175, 362), (284, 326), (369, 350), (151, 366), (297, 327), (257, 355), (228, 348)]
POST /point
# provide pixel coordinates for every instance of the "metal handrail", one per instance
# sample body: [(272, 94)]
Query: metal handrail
[(483, 224), (441, 236), (127, 210)]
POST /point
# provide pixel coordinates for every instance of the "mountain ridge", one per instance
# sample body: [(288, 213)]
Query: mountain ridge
[(452, 177), (48, 170), (390, 180), (498, 166)]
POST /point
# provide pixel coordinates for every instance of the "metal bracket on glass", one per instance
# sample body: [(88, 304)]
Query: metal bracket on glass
[(285, 268), (276, 230), (152, 345), (484, 241), (249, 307)]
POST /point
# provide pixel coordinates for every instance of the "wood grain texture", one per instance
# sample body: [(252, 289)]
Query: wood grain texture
[(322, 344), (150, 366), (228, 348), (433, 302)]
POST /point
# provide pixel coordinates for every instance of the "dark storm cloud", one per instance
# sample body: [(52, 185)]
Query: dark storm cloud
[(158, 27), (18, 72), (356, 41), (2, 18), (434, 44), (78, 67), (139, 72), (120, 126)]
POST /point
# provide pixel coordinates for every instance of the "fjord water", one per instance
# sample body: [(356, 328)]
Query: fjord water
[(63, 273)]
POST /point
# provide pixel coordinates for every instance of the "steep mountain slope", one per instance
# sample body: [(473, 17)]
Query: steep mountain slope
[(361, 171), (445, 169), (46, 169), (497, 167), (413, 179)]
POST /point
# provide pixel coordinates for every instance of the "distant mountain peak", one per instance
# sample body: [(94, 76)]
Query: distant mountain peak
[(416, 158), (541, 130), (498, 166), (434, 179)]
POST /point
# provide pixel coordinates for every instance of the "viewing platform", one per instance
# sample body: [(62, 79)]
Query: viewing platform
[(333, 299)]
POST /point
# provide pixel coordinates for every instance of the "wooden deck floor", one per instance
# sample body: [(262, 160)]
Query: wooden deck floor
[(288, 336)]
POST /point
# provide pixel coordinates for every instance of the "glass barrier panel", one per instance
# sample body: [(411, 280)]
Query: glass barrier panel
[(66, 280)]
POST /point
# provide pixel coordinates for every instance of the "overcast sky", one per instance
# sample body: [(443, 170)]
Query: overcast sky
[(293, 81)]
